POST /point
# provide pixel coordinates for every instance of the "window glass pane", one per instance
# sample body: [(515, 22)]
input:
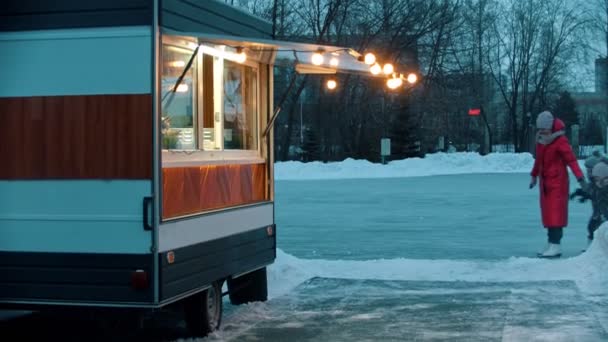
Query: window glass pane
[(239, 106), (179, 108)]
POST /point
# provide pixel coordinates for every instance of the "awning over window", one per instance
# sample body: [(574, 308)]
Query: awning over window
[(335, 59)]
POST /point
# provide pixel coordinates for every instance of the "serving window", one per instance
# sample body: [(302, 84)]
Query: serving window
[(209, 105), (210, 125)]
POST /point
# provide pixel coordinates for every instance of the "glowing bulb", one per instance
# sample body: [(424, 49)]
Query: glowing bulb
[(332, 84), (177, 64), (388, 69), (370, 58), (182, 88), (240, 57), (317, 58), (412, 78), (394, 82), (334, 62), (375, 69)]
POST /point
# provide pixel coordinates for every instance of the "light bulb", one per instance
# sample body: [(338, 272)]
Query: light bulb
[(388, 69), (412, 78), (317, 58), (376, 69), (240, 56), (177, 64), (370, 58), (332, 84), (334, 62)]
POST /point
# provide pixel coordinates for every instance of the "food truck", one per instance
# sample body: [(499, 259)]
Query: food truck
[(137, 148)]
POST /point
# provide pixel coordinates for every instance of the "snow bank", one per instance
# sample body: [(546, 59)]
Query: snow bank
[(432, 164), (588, 270)]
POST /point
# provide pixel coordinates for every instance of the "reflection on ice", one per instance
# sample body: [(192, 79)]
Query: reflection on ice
[(518, 299)]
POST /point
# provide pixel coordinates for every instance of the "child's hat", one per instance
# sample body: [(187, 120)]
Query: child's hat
[(593, 159), (600, 170)]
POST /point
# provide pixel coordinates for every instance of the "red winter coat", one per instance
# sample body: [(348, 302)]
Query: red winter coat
[(550, 165)]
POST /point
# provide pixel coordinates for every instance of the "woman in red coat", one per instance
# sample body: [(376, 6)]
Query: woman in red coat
[(553, 154)]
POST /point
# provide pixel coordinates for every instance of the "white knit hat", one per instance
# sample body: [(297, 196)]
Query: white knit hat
[(544, 120), (600, 170)]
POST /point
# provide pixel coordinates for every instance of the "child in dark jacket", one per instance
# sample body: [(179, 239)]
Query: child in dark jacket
[(597, 192)]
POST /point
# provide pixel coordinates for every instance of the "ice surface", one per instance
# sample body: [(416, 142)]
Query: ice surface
[(331, 309), (480, 216)]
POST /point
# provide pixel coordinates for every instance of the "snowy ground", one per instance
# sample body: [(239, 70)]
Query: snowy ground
[(368, 252), (431, 165), (435, 249)]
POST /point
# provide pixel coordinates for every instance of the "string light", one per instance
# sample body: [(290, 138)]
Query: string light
[(393, 83), (412, 78), (388, 69), (240, 56), (370, 58), (177, 64), (331, 84), (317, 57), (376, 69)]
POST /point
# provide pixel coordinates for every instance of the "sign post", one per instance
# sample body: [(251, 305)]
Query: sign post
[(385, 149)]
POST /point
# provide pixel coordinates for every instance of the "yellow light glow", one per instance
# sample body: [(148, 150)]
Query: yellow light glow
[(370, 58), (182, 88), (240, 57), (317, 58), (388, 69), (177, 64), (394, 83), (220, 52), (376, 69), (412, 78), (332, 84), (334, 62)]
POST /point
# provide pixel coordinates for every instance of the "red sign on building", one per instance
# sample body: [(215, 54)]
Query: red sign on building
[(474, 111)]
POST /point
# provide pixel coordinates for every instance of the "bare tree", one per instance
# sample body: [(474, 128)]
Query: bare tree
[(531, 38), (598, 10)]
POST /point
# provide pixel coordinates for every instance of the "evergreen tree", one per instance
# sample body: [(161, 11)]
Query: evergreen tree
[(591, 134), (404, 135), (565, 109), (311, 150)]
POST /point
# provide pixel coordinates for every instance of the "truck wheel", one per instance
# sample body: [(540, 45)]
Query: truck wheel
[(251, 287), (203, 311)]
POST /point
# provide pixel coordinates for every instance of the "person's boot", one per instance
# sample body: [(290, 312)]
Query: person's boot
[(544, 249), (554, 251)]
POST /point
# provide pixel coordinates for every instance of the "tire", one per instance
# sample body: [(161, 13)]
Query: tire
[(203, 311), (251, 287)]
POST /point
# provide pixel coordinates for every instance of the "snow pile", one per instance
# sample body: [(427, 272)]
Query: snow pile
[(588, 270), (432, 164)]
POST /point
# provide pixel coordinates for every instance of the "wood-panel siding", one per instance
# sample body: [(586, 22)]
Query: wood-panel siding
[(76, 137), (191, 190)]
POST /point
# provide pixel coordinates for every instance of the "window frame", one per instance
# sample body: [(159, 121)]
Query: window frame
[(199, 156)]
